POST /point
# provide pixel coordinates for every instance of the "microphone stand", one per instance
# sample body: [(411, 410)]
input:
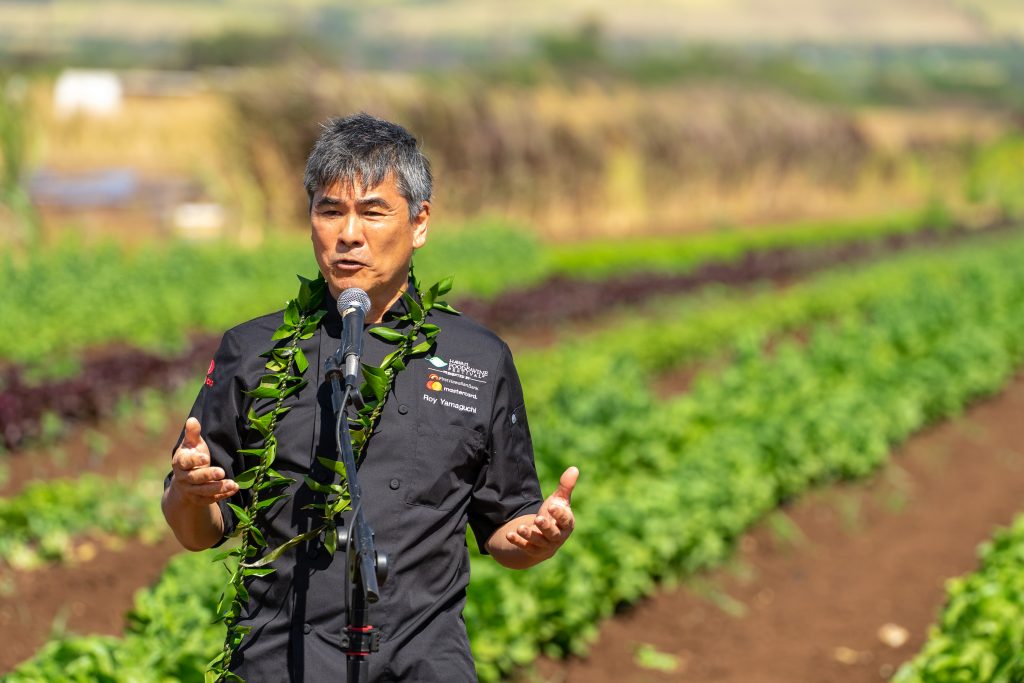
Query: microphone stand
[(367, 568)]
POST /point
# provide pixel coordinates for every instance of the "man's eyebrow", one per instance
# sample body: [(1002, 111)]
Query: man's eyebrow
[(373, 201), (327, 201)]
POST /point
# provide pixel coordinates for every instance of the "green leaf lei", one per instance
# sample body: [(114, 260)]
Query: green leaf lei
[(285, 366)]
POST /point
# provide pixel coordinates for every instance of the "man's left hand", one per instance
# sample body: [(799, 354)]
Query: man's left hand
[(553, 523)]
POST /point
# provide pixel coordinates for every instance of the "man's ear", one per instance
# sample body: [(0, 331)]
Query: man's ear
[(421, 226)]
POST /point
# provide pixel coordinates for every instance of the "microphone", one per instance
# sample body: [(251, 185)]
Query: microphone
[(353, 304)]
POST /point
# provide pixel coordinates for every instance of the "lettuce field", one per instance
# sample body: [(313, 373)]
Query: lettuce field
[(749, 373)]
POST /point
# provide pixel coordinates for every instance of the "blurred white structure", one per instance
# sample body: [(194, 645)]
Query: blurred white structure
[(91, 92), (198, 221)]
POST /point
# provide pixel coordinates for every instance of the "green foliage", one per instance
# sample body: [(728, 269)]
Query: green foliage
[(15, 115), (979, 637), (485, 257), (649, 657), (74, 297), (995, 176), (285, 365), (667, 486), (44, 522), (600, 259), (168, 638)]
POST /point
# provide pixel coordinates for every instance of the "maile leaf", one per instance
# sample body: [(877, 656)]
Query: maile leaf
[(264, 392), (376, 379), (231, 552), (387, 334), (305, 297), (269, 501), (257, 536), (279, 550), (335, 466), (422, 347), (294, 388), (243, 517), (331, 540), (258, 571), (445, 285), (246, 479), (443, 306), (300, 360), (291, 313), (317, 486), (283, 332), (415, 310)]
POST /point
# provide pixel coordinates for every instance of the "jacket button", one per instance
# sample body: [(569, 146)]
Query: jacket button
[(306, 628), (394, 484), (403, 409)]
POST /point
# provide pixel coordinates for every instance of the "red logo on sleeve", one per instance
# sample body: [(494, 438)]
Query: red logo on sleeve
[(209, 375)]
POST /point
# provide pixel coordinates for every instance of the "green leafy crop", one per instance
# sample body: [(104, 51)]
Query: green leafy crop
[(667, 486), (979, 637)]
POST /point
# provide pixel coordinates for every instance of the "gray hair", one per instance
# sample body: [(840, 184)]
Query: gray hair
[(366, 148)]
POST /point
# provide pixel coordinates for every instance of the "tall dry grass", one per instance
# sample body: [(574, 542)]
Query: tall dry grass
[(602, 159), (585, 161)]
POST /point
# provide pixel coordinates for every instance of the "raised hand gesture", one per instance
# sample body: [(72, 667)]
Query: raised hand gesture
[(553, 523), (197, 482)]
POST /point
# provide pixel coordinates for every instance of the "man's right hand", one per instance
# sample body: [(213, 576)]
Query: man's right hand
[(195, 481)]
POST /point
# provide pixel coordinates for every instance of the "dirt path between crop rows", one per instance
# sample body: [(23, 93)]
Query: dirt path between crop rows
[(808, 594)]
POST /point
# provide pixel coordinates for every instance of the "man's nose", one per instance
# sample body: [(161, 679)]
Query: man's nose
[(351, 233)]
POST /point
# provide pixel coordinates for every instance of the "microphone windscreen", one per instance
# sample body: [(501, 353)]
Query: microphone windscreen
[(353, 297)]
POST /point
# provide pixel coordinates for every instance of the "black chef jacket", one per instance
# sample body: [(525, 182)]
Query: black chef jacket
[(452, 446)]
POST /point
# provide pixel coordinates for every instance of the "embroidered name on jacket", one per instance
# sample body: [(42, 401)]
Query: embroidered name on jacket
[(453, 384)]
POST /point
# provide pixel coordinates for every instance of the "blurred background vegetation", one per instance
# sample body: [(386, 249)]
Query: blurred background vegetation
[(584, 119)]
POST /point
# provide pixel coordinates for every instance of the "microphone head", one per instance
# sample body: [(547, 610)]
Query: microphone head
[(353, 297)]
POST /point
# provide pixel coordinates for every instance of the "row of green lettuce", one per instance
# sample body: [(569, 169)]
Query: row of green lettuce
[(49, 519), (979, 637), (667, 486), (63, 300), (692, 329), (602, 258)]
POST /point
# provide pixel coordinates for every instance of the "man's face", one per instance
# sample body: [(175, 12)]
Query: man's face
[(365, 239)]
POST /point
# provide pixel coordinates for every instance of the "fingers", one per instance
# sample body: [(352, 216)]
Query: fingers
[(548, 527), (562, 514), (203, 475), (210, 492), (530, 540), (541, 538), (193, 476), (193, 433), (567, 483), (189, 459)]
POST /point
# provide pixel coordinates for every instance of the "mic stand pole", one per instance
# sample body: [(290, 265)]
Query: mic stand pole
[(367, 568)]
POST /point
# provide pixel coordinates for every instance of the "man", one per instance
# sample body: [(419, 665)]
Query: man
[(452, 444)]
